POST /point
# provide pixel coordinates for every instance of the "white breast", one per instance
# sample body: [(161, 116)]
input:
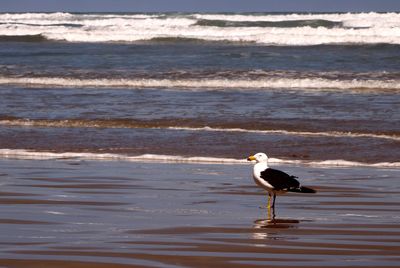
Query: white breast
[(258, 168)]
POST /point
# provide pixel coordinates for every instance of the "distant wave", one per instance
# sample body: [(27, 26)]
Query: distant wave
[(279, 24), (313, 84), (40, 155), (336, 134), (23, 38), (46, 24), (159, 124), (266, 29)]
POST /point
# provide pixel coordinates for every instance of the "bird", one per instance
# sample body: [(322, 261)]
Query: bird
[(273, 180)]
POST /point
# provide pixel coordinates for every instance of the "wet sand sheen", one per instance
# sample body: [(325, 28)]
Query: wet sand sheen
[(68, 213)]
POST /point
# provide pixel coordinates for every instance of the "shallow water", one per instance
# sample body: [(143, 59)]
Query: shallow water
[(69, 212), (291, 125)]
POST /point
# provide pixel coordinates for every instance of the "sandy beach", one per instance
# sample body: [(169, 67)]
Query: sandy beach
[(72, 213)]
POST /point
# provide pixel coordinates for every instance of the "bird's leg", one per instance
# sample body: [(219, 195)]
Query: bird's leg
[(269, 205), (273, 202), (273, 208), (272, 219), (269, 214)]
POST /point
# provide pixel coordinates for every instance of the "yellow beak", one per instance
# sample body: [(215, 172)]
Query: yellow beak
[(251, 158)]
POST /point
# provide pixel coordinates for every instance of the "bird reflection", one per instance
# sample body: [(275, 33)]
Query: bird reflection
[(275, 223), (267, 228), (270, 213)]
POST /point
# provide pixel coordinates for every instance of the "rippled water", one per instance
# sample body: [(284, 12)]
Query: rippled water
[(202, 85), (358, 127), (67, 212)]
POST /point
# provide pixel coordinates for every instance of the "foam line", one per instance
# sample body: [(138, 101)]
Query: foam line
[(110, 124), (336, 134), (314, 84), (38, 155)]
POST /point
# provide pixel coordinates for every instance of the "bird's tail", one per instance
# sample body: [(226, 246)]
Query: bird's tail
[(303, 189)]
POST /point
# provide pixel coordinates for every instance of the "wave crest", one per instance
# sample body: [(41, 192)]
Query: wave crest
[(312, 84), (267, 29)]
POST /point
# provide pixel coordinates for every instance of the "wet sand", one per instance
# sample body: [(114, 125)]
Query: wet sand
[(71, 213)]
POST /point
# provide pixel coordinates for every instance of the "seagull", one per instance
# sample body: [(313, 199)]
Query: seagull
[(273, 180)]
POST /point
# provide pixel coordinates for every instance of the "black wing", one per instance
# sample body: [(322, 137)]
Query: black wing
[(279, 179)]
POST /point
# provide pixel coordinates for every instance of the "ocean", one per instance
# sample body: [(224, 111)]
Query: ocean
[(123, 139), (304, 88)]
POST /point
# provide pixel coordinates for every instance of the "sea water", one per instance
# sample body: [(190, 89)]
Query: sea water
[(305, 88)]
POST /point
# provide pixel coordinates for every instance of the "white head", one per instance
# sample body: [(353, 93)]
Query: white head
[(259, 158)]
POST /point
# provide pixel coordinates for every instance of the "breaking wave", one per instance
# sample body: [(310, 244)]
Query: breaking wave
[(265, 29), (314, 84), (40, 155)]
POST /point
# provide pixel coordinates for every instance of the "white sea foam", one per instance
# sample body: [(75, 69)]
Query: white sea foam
[(39, 155), (27, 154), (336, 134), (372, 17), (358, 215), (360, 28), (94, 124), (267, 83), (350, 20)]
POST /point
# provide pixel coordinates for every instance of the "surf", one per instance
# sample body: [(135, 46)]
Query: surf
[(157, 158), (307, 84), (263, 29)]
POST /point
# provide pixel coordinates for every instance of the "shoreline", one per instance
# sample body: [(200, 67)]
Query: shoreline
[(23, 154)]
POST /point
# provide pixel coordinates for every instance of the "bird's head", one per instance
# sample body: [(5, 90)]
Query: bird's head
[(258, 157)]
